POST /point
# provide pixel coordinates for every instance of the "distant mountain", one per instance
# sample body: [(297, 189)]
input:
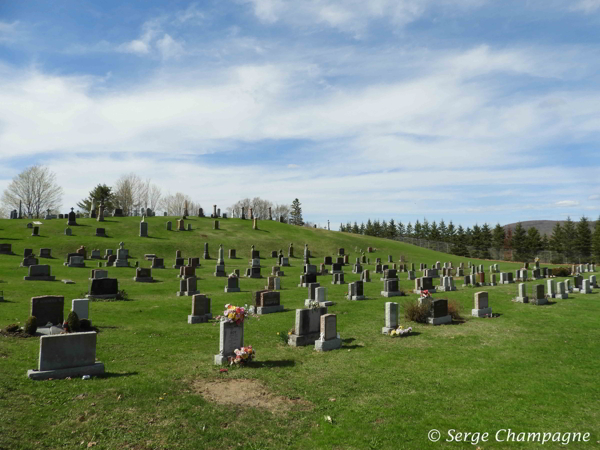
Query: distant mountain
[(543, 226)]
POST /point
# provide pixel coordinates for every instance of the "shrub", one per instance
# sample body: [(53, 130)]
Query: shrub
[(454, 309), (30, 325), (85, 325), (12, 328), (415, 312), (73, 322), (122, 295), (561, 271)]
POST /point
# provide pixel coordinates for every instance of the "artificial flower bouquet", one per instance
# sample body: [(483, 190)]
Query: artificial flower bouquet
[(242, 356), (401, 331), (233, 314)]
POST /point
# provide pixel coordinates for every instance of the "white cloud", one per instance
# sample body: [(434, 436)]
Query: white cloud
[(169, 47), (142, 45), (594, 197), (567, 203), (587, 6), (190, 14), (9, 31)]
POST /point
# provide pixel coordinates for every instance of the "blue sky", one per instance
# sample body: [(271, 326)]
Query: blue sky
[(467, 110)]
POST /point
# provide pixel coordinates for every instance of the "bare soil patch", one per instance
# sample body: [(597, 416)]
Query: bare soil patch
[(246, 393)]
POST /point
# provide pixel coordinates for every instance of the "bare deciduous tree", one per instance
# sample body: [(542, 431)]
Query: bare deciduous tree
[(36, 188), (130, 193), (174, 205), (154, 196)]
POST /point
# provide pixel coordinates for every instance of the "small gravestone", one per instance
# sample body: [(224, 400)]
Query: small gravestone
[(328, 339), (81, 307), (522, 297), (29, 261), (216, 225), (200, 309), (75, 261), (481, 307), (365, 276), (585, 287), (95, 254), (143, 229), (356, 291), (40, 272), (100, 232), (307, 326), (390, 288), (110, 260), (438, 312), (143, 275), (98, 273), (561, 291), (101, 288), (551, 286), (231, 338), (122, 255), (338, 278), (118, 212), (189, 227), (284, 262), (206, 255), (158, 263), (391, 317), (169, 225), (539, 296), (68, 232), (67, 355), (188, 287), (233, 283), (267, 302), (232, 253), (72, 219), (36, 231), (186, 272), (48, 309)]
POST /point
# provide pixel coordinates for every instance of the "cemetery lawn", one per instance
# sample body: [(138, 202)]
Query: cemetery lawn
[(532, 369)]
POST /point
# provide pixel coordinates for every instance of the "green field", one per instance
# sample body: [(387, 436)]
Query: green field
[(532, 369)]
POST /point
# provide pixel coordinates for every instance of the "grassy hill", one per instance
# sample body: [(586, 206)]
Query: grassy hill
[(532, 369)]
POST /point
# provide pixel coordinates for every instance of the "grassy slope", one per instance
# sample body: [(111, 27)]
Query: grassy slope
[(532, 369)]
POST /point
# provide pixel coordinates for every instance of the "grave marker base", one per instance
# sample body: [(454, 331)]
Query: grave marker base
[(268, 309), (481, 312), (143, 279), (392, 293), (522, 299), (439, 320), (199, 319), (325, 346), (50, 278), (232, 289), (295, 340), (357, 297), (93, 370), (187, 293), (321, 304)]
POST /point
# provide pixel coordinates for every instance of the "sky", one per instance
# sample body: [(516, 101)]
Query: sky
[(466, 110)]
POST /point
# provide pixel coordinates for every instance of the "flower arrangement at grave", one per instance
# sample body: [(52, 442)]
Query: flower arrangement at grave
[(401, 331), (425, 294), (242, 356), (313, 304), (233, 314)]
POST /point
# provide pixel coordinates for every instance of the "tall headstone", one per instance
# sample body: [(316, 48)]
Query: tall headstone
[(391, 317), (481, 307), (328, 339)]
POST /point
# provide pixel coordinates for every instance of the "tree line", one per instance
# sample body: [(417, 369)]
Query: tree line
[(575, 241)]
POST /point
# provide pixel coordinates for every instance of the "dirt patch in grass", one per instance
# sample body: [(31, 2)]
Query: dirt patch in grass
[(16, 334), (255, 395)]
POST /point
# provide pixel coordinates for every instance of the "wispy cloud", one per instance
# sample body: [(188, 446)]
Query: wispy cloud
[(587, 6), (566, 203), (9, 31)]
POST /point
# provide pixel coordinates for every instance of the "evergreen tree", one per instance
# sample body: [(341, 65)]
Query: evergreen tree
[(545, 242), (569, 237), (410, 232), (476, 241), (425, 229), (401, 229), (556, 239), (348, 227), (583, 242), (596, 242), (342, 227), (384, 229), (296, 214), (460, 246), (468, 236), (376, 228), (533, 242), (485, 241), (443, 231), (451, 232), (418, 233), (355, 228), (519, 243), (498, 236), (369, 228), (362, 228), (101, 193), (392, 232), (508, 239), (434, 232)]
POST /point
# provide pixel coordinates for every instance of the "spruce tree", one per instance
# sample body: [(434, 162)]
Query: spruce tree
[(533, 242), (355, 228), (583, 242), (556, 239), (519, 243), (401, 229), (569, 238), (392, 232), (362, 228), (443, 231), (596, 242), (296, 214), (498, 236), (410, 232)]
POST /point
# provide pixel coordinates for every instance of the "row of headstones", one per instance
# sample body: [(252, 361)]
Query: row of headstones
[(556, 290)]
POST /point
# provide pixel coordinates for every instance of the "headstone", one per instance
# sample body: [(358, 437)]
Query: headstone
[(180, 225), (481, 307), (391, 317), (216, 225), (338, 278), (118, 212), (390, 288), (36, 231), (291, 251), (187, 287), (231, 338), (206, 255), (232, 253), (201, 311), (233, 284), (103, 288), (67, 355), (539, 296), (81, 307), (100, 232), (585, 287), (522, 297), (143, 275), (29, 261), (40, 272), (561, 290), (72, 219), (365, 276), (328, 339), (68, 232), (143, 229), (48, 309), (267, 302), (356, 291), (438, 313)]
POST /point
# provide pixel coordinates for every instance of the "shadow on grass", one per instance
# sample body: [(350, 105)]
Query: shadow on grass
[(117, 375), (155, 237), (272, 364), (11, 239)]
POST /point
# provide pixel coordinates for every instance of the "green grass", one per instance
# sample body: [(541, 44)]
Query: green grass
[(533, 369)]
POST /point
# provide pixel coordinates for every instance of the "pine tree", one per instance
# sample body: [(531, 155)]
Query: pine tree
[(508, 239), (596, 242), (519, 243), (498, 236), (392, 232), (401, 229), (451, 232), (101, 193), (485, 241), (434, 232), (384, 229), (443, 231), (545, 242), (376, 228), (556, 239), (460, 247), (355, 228), (348, 227), (583, 242), (533, 242), (418, 231), (410, 232), (425, 229), (296, 214), (569, 237), (362, 228), (369, 228), (342, 227)]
